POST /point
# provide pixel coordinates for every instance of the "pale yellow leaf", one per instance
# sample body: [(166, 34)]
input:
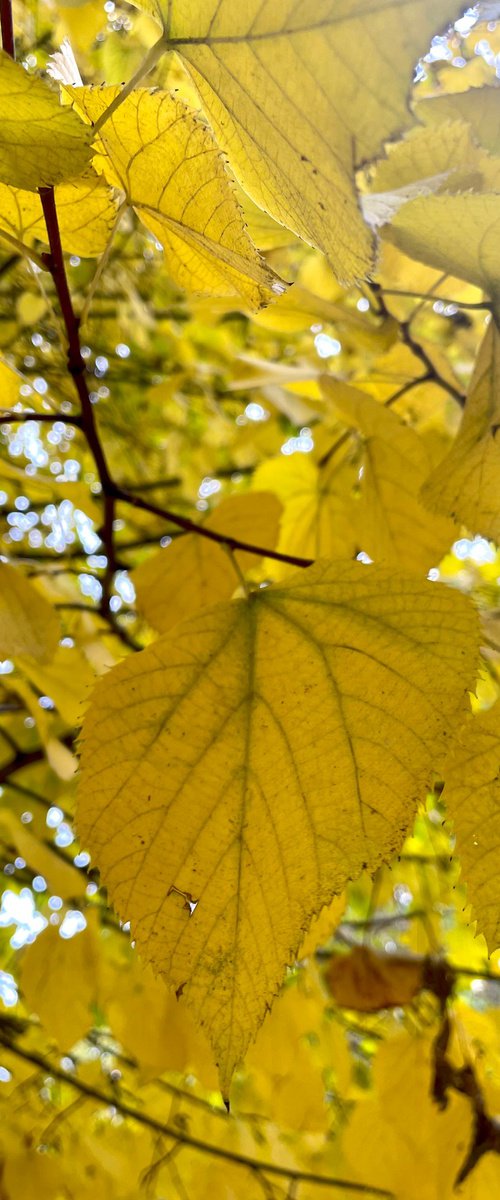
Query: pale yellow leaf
[(238, 772), (59, 981), (478, 106), (466, 484), (472, 797), (28, 624), (458, 234), (41, 143), (62, 878), (393, 525), (10, 382), (317, 518), (86, 212), (67, 679), (193, 572), (169, 166), (284, 87)]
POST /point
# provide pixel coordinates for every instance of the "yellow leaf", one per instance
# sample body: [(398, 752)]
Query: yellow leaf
[(465, 484), (317, 517), (86, 211), (397, 1136), (236, 775), (479, 107), (172, 172), (41, 143), (366, 981), (67, 679), (193, 572), (472, 797), (28, 624), (62, 878), (59, 982), (459, 235), (169, 1039), (10, 382), (282, 87), (393, 525)]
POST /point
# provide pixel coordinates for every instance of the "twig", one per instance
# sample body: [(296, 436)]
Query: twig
[(179, 1135)]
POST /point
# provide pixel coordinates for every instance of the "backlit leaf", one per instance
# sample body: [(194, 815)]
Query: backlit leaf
[(366, 981), (41, 143), (193, 572), (317, 518), (86, 213), (392, 522), (236, 775), (166, 161), (284, 89), (472, 797), (28, 623), (465, 485)]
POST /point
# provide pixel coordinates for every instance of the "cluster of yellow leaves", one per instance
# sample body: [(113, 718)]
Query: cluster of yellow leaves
[(276, 739)]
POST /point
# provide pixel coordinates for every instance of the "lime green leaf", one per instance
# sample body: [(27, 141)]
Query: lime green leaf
[(472, 795), (238, 772), (28, 624), (465, 485), (193, 572), (41, 143), (168, 164)]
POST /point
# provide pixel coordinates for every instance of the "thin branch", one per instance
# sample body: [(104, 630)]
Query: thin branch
[(16, 418), (76, 368), (189, 526), (178, 1135), (7, 27), (429, 298)]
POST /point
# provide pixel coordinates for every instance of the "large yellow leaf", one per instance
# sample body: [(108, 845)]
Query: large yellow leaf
[(466, 484), (285, 90), (237, 773), (317, 518), (166, 161), (86, 212), (10, 382), (28, 624), (393, 525), (472, 796), (41, 143), (193, 571)]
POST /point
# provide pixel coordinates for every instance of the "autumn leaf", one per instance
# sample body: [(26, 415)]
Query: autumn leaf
[(209, 741), (392, 523), (28, 623), (366, 981), (41, 143), (472, 797), (164, 158), (317, 515), (86, 211), (465, 484), (194, 572)]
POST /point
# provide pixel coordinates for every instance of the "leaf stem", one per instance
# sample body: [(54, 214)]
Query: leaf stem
[(152, 58)]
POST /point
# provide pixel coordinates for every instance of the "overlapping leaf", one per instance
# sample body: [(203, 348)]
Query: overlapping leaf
[(86, 212), (236, 773), (317, 518), (392, 523), (284, 89), (166, 161), (472, 796), (193, 571), (466, 484), (28, 623), (41, 143)]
